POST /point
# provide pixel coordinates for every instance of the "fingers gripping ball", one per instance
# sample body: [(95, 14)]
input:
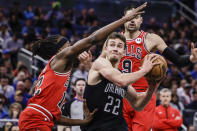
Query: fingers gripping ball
[(158, 71)]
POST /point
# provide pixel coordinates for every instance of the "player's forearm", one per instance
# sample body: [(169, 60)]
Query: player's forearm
[(106, 30), (71, 122), (138, 101), (94, 38), (178, 60), (160, 125), (174, 123), (126, 79), (143, 99)]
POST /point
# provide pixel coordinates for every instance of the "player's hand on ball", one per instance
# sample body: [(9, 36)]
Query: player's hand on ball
[(148, 62), (88, 115)]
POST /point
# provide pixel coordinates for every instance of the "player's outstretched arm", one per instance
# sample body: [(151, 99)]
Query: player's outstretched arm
[(71, 122), (180, 61), (77, 122), (102, 33), (105, 68), (139, 101)]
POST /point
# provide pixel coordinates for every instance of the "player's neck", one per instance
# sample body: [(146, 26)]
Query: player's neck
[(115, 64), (78, 97), (132, 35)]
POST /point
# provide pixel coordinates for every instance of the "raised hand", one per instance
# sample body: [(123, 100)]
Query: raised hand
[(136, 11), (193, 56), (86, 59)]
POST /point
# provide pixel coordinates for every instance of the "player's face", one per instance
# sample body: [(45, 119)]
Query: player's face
[(115, 49), (79, 87), (134, 24), (165, 98)]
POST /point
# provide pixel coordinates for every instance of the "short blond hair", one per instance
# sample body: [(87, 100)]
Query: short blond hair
[(164, 90)]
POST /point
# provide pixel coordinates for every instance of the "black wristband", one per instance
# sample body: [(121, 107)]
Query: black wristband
[(178, 60)]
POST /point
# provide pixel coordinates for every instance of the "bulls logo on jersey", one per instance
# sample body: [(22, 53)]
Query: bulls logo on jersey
[(138, 40)]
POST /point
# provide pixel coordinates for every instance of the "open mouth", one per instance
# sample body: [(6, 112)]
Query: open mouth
[(131, 25)]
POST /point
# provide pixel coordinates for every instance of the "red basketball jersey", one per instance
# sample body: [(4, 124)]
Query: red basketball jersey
[(131, 61), (50, 93)]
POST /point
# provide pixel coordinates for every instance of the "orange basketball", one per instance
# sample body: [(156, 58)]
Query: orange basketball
[(158, 71)]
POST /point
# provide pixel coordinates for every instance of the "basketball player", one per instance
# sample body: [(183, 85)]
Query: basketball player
[(107, 87), (139, 44), (45, 107)]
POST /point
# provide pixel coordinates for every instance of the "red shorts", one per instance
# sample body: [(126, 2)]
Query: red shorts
[(32, 120), (139, 121)]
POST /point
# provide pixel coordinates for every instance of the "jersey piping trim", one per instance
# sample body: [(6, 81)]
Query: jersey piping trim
[(39, 111), (135, 37), (42, 108), (144, 44), (62, 74), (57, 73)]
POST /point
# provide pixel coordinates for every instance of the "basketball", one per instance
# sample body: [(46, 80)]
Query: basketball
[(158, 71)]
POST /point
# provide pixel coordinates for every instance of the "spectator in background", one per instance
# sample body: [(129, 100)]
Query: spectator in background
[(13, 45), (4, 34), (74, 108), (14, 128), (14, 23), (166, 117), (175, 103), (55, 11), (28, 86), (80, 72), (20, 77), (82, 17), (5, 102), (6, 56), (26, 29), (91, 17), (185, 96), (20, 95), (191, 128), (3, 20), (194, 72), (7, 126), (15, 110), (9, 68), (153, 25), (28, 13), (3, 70), (3, 112), (17, 10), (180, 90), (193, 104), (21, 67), (5, 88)]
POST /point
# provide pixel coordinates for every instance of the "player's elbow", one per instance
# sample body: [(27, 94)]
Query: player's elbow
[(121, 83), (138, 106)]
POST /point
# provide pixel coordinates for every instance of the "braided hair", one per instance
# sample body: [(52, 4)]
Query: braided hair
[(48, 47)]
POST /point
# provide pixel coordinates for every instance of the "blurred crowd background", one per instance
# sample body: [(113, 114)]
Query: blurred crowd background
[(22, 22)]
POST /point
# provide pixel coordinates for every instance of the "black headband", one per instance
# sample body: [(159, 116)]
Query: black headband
[(61, 43)]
